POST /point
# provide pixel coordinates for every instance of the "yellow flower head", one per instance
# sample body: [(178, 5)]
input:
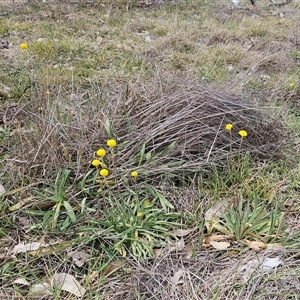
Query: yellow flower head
[(292, 85), (134, 173), (101, 152), (23, 46), (139, 214), (228, 126), (111, 143), (96, 162), (243, 133), (103, 172)]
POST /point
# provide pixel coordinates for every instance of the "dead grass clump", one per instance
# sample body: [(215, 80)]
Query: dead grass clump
[(179, 42), (224, 37), (64, 131), (194, 117), (208, 275)]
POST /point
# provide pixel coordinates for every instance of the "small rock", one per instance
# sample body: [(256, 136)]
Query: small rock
[(4, 44)]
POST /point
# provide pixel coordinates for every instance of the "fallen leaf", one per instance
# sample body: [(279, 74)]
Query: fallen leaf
[(68, 283), (113, 267), (219, 245), (39, 248), (79, 257), (148, 39), (215, 212), (275, 246), (258, 264), (2, 189), (183, 232), (21, 248), (40, 290), (271, 263), (179, 245), (22, 203), (160, 252), (91, 277), (189, 253), (217, 237), (256, 245), (32, 203), (21, 281), (23, 221), (176, 278)]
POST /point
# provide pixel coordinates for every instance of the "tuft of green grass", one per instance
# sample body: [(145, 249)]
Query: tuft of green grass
[(135, 224), (253, 221)]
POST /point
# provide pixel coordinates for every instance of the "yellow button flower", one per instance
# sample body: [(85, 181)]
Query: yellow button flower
[(134, 173), (23, 46), (111, 143), (292, 85), (103, 172), (243, 133), (96, 162), (101, 152), (228, 126), (139, 214)]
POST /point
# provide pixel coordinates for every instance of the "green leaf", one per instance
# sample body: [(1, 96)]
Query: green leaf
[(175, 163), (66, 223), (170, 147), (56, 198), (86, 179), (160, 228), (135, 249), (83, 205), (108, 128), (60, 181), (41, 195), (148, 156), (70, 211), (164, 202), (280, 228), (56, 214), (34, 212), (129, 125), (142, 154)]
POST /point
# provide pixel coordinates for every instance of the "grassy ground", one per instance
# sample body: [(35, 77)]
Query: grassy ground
[(183, 208)]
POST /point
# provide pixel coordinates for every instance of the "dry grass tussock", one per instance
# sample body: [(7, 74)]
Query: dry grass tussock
[(193, 117), (181, 124), (208, 275)]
